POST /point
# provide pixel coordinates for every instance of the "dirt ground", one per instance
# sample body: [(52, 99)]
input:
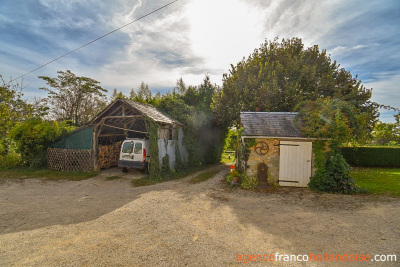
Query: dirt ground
[(100, 222)]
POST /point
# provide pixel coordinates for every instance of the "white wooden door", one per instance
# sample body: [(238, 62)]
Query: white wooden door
[(295, 163)]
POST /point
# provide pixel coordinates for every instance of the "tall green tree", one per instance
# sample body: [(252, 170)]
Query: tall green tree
[(132, 94), (74, 97), (180, 86), (334, 119), (143, 93), (280, 75), (115, 95), (386, 132)]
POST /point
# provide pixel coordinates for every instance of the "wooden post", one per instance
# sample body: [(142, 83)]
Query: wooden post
[(95, 146), (123, 115)]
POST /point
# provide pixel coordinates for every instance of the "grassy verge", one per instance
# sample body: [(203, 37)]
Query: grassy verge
[(383, 181), (203, 177), (114, 177), (228, 158), (144, 181), (26, 173)]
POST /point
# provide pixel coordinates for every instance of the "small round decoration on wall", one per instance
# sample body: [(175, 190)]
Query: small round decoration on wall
[(261, 148)]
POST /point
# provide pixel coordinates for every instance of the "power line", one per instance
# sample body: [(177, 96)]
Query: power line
[(70, 52)]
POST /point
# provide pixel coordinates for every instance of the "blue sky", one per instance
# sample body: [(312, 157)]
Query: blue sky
[(192, 38)]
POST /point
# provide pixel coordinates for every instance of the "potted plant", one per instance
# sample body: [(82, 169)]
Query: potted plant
[(235, 176)]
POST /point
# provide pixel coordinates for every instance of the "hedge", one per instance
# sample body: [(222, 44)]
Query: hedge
[(372, 156)]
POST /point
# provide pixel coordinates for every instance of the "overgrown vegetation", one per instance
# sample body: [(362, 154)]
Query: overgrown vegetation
[(32, 138), (248, 182)]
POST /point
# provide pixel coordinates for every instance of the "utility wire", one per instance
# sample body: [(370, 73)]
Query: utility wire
[(70, 52)]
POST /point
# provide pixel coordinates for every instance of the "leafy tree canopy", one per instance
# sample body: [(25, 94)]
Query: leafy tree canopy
[(386, 133), (280, 75), (74, 98), (335, 119)]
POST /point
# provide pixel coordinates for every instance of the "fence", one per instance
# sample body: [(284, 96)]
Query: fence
[(69, 160)]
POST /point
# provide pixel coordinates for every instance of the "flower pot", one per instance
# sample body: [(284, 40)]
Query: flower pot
[(235, 180)]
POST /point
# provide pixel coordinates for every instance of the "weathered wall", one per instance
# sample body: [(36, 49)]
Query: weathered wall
[(271, 159), (169, 147)]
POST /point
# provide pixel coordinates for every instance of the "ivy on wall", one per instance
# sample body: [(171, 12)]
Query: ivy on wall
[(155, 170)]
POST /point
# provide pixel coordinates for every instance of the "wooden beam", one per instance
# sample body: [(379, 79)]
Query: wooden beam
[(123, 117), (111, 126), (105, 135)]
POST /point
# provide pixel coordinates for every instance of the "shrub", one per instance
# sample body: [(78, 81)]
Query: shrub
[(32, 138), (334, 175), (12, 159), (248, 181), (372, 156), (229, 178)]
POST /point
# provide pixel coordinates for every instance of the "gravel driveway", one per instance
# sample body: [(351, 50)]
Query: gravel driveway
[(96, 222)]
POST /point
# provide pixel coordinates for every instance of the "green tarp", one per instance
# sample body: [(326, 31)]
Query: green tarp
[(79, 139)]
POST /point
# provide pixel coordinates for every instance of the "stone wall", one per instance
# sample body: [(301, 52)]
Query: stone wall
[(271, 158)]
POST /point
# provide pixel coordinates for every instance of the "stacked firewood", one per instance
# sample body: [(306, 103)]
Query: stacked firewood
[(108, 155)]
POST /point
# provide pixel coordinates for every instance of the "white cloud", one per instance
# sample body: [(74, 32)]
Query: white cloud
[(386, 89), (192, 38)]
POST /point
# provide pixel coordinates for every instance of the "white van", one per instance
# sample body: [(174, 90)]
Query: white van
[(135, 154)]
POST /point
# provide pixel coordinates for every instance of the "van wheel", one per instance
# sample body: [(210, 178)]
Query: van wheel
[(124, 169)]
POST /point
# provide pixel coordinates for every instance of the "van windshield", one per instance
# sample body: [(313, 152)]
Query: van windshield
[(127, 147)]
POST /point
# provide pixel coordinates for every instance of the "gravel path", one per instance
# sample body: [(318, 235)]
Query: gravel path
[(207, 224)]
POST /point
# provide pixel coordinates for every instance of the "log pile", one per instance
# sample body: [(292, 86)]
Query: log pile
[(108, 155)]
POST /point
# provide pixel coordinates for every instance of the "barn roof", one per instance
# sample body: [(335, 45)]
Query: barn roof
[(271, 124), (136, 107), (150, 112)]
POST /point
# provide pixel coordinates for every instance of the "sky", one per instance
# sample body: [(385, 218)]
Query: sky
[(192, 38)]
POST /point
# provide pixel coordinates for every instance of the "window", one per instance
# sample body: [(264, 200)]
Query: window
[(138, 148), (127, 148)]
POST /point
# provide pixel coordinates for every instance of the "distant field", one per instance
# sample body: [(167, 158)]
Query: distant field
[(225, 158)]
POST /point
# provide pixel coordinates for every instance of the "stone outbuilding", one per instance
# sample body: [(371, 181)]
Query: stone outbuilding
[(274, 149)]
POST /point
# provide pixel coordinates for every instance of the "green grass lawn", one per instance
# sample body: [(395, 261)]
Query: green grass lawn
[(383, 181)]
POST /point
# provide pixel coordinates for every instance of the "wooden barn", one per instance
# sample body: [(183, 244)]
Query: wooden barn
[(275, 150), (97, 145)]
